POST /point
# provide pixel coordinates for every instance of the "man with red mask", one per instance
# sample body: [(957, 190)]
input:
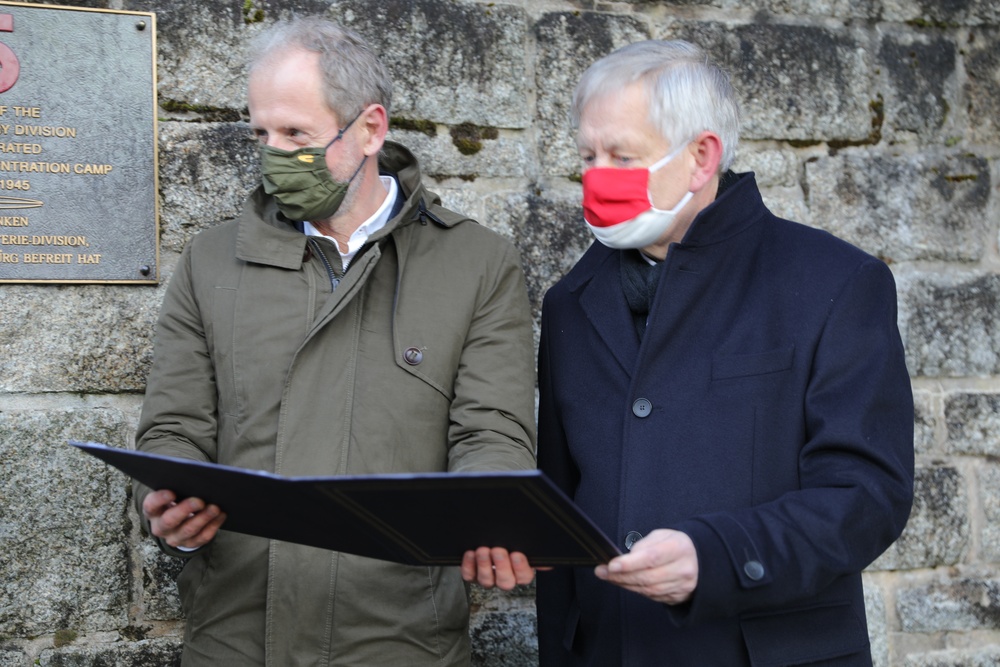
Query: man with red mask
[(724, 392)]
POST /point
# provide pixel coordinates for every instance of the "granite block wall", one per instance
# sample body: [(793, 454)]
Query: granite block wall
[(876, 119)]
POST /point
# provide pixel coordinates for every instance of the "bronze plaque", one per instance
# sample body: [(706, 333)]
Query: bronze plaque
[(78, 177)]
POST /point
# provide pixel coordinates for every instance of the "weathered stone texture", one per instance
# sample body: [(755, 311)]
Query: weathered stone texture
[(921, 72), (514, 631), (941, 13), (904, 208), (448, 58), (877, 626), (949, 324), (984, 657), (982, 88), (844, 9), (163, 652), (960, 604), (787, 203), (973, 424), (814, 8), (938, 530), (771, 167), (160, 599), (468, 152), (989, 496), (548, 229), (200, 55), (503, 627), (467, 199), (76, 339), (64, 532), (924, 423), (804, 83), (206, 172), (567, 43), (13, 659)]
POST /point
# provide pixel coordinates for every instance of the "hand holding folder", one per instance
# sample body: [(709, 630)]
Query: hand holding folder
[(417, 519)]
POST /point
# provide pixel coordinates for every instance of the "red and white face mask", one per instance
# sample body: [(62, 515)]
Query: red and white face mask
[(618, 209)]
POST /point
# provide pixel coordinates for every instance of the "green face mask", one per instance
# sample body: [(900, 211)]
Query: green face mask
[(300, 181)]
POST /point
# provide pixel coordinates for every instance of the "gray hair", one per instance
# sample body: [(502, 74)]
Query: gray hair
[(688, 94), (353, 75)]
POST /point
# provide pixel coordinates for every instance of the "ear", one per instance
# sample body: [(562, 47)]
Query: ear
[(707, 151), (375, 122)]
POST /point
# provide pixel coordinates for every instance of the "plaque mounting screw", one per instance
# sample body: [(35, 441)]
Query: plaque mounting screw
[(144, 270), (141, 25)]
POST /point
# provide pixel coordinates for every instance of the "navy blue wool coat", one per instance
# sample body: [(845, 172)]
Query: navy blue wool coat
[(776, 431)]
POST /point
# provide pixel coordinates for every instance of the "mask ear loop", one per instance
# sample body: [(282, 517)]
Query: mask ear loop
[(659, 164), (340, 135)]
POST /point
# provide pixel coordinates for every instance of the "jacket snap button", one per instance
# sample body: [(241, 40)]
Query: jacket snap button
[(642, 407), (631, 538), (413, 356), (754, 570)]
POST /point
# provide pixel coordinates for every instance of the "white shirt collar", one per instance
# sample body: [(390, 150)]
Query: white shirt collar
[(367, 228)]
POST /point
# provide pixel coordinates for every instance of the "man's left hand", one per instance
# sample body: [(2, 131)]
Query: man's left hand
[(496, 567), (663, 566)]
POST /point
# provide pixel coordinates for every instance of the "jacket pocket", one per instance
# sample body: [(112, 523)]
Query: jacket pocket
[(220, 331), (761, 363), (805, 635)]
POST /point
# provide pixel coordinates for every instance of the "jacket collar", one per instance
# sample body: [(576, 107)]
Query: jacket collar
[(735, 208), (265, 236), (596, 277)]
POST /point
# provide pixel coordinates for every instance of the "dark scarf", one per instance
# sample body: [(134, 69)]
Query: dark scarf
[(639, 279)]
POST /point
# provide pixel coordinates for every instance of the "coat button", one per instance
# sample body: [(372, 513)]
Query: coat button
[(631, 538), (642, 407), (754, 570), (413, 356)]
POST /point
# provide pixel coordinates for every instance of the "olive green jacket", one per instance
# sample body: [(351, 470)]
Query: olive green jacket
[(262, 362)]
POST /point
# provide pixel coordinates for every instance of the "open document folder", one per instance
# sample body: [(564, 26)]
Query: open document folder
[(417, 519)]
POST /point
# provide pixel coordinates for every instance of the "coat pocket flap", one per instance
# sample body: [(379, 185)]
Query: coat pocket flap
[(804, 636), (761, 363)]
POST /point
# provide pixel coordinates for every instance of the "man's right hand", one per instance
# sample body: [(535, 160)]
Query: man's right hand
[(185, 524)]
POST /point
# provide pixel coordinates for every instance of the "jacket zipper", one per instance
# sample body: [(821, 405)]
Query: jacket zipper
[(334, 280)]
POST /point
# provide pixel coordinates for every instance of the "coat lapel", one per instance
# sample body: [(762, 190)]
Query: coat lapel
[(603, 303)]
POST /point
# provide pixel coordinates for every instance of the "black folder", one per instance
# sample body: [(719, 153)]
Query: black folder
[(416, 519)]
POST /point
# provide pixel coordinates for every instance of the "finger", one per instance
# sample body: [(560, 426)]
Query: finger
[(672, 583), (484, 568), (650, 552), (503, 571), (178, 514), (197, 529), (524, 574), (209, 532), (156, 502), (469, 566)]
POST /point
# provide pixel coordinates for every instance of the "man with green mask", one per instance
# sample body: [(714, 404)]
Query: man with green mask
[(345, 323)]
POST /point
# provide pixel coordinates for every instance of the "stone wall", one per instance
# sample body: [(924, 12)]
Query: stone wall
[(876, 119)]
